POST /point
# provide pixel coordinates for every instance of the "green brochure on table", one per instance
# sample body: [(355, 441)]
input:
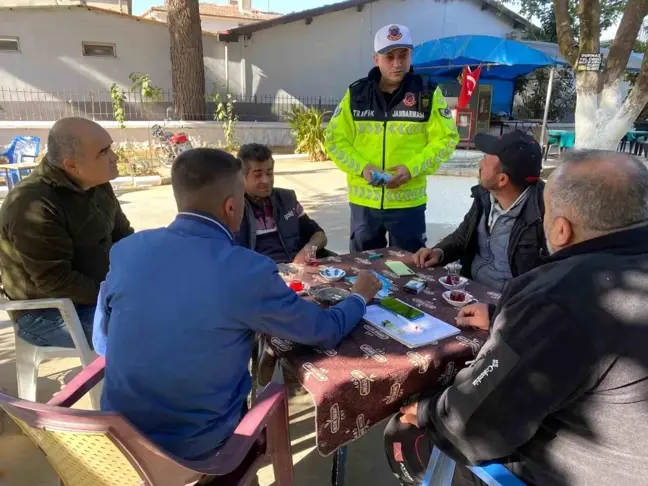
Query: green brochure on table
[(399, 268)]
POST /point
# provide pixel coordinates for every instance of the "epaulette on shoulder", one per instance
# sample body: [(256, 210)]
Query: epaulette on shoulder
[(359, 82)]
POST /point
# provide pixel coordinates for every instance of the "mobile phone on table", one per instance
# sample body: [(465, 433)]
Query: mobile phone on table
[(399, 268), (401, 308)]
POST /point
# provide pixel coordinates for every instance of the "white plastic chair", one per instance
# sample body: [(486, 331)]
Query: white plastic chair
[(29, 357)]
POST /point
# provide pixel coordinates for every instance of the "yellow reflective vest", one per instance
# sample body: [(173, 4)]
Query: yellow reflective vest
[(415, 129)]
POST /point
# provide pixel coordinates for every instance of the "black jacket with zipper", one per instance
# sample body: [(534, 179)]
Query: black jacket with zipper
[(559, 393), (527, 246)]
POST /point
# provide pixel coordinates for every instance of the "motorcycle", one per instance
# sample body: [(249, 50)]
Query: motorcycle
[(169, 145)]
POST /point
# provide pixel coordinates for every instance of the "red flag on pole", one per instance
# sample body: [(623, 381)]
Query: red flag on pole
[(469, 82)]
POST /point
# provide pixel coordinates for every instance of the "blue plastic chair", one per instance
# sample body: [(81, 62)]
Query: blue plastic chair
[(21, 148), (441, 469)]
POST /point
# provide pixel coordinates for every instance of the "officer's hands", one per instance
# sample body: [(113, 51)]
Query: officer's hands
[(366, 173), (401, 175)]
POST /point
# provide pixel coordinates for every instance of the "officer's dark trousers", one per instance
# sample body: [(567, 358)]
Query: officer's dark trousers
[(369, 228)]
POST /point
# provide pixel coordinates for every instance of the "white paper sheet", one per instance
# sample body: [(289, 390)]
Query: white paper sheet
[(412, 334)]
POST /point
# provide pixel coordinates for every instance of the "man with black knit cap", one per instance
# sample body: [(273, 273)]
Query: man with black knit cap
[(501, 237)]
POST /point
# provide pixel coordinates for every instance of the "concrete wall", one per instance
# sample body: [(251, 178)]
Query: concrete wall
[(275, 134), (202, 133), (51, 57), (323, 58)]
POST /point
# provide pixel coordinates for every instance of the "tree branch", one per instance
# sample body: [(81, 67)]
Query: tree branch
[(631, 107), (589, 12), (641, 85), (565, 33), (624, 41)]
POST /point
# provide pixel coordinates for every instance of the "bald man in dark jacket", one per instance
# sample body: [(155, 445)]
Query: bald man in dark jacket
[(57, 228)]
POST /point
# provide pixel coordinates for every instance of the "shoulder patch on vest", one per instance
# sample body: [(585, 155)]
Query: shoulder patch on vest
[(445, 112), (425, 100)]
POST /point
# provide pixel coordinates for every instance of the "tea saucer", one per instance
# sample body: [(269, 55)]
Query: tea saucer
[(469, 299)]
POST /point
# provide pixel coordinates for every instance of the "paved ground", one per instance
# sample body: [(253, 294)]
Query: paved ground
[(321, 189)]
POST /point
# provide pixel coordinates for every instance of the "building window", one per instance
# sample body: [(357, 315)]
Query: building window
[(9, 44), (97, 49)]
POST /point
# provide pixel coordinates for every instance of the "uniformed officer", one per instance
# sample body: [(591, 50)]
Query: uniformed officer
[(394, 122)]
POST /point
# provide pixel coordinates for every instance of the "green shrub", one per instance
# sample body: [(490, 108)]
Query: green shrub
[(306, 126), (132, 163)]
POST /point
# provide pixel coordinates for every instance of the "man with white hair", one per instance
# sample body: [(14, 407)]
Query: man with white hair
[(391, 130), (559, 393)]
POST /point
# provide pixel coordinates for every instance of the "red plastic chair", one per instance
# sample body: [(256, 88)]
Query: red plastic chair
[(89, 448)]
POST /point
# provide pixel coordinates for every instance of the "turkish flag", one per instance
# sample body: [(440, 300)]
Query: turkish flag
[(469, 84)]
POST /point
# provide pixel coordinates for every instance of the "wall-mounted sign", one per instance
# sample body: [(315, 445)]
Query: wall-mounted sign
[(590, 62), (464, 119)]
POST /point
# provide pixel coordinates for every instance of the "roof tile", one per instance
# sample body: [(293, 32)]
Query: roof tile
[(230, 11)]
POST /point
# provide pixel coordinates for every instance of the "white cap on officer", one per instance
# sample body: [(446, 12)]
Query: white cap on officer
[(392, 36)]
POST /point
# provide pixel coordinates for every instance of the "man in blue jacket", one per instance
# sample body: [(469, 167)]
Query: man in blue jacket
[(181, 306)]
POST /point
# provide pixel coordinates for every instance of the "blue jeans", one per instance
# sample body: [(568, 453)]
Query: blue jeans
[(45, 327), (406, 228)]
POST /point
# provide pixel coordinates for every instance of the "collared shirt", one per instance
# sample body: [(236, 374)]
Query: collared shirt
[(270, 238), (490, 265), (268, 241), (497, 210), (205, 217)]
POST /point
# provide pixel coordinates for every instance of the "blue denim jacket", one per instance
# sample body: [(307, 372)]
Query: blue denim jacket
[(181, 306)]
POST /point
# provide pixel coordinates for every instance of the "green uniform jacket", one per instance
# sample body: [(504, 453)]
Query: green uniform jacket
[(415, 129), (55, 238)]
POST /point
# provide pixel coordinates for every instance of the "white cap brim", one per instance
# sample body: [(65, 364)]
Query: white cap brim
[(391, 47)]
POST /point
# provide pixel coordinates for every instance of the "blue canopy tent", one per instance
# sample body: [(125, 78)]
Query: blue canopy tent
[(505, 59), (502, 61)]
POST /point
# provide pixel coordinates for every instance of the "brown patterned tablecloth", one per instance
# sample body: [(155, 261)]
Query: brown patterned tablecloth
[(370, 375)]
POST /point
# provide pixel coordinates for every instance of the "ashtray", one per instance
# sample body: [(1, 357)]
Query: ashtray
[(458, 298), (331, 296), (333, 274), (456, 282)]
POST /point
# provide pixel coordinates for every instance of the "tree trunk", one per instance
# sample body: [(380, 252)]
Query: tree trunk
[(588, 84), (603, 112), (627, 112), (187, 63), (566, 41)]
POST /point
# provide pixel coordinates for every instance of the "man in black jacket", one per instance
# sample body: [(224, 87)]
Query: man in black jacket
[(559, 393), (274, 223), (501, 236)]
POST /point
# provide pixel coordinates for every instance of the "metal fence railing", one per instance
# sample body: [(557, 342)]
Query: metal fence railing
[(33, 105)]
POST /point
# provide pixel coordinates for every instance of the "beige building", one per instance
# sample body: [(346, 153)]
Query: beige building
[(121, 6), (216, 17), (74, 53)]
